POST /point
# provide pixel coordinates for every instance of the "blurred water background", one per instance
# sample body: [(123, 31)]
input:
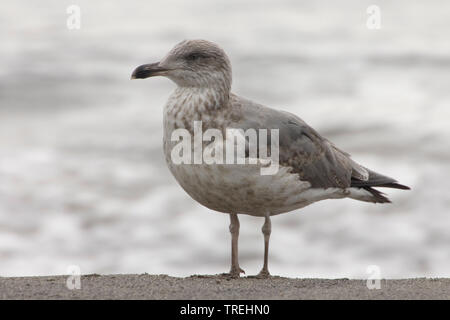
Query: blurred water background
[(82, 175)]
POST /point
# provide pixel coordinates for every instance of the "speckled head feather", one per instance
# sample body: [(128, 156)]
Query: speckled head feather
[(198, 63)]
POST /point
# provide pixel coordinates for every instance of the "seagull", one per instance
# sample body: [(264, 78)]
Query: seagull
[(311, 168)]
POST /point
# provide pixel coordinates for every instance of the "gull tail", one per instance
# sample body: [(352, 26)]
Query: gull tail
[(364, 189)]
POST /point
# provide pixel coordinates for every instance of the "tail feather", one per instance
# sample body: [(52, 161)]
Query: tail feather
[(394, 185), (378, 196), (376, 180)]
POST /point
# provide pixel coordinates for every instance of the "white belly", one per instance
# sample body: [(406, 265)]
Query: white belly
[(242, 189)]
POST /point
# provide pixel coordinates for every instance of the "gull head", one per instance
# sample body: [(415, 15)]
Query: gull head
[(191, 63)]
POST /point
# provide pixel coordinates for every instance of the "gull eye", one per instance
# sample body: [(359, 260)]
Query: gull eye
[(192, 57)]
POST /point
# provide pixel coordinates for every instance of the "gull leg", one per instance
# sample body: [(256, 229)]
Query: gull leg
[(234, 230), (266, 230)]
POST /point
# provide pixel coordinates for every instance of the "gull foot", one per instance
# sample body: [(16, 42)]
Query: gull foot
[(234, 273), (263, 274)]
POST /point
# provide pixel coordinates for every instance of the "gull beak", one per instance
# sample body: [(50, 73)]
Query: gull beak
[(148, 70)]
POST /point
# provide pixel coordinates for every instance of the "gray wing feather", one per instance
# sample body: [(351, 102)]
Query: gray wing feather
[(312, 157)]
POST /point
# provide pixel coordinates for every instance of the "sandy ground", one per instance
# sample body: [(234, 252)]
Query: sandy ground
[(217, 287)]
